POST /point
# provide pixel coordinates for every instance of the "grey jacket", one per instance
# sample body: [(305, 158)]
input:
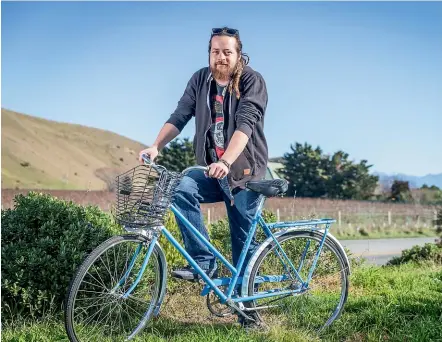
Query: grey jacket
[(245, 115)]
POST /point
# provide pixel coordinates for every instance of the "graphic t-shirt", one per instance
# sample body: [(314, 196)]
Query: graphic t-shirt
[(217, 129)]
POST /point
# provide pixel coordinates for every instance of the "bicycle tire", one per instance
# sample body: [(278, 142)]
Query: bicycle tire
[(330, 244), (89, 261)]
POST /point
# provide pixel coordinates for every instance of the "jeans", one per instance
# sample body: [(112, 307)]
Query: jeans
[(196, 188)]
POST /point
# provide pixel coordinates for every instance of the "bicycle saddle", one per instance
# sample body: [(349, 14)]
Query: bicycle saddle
[(268, 188)]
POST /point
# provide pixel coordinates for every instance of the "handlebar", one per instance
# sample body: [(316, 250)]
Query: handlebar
[(148, 161), (196, 167)]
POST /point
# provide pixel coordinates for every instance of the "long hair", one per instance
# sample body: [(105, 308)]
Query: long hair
[(243, 61)]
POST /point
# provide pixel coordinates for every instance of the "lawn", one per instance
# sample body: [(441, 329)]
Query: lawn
[(388, 303)]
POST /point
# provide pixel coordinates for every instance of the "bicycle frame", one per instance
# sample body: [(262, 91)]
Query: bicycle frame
[(235, 280)]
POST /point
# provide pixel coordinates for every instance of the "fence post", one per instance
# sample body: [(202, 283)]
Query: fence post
[(277, 215), (208, 217), (389, 218), (339, 219)]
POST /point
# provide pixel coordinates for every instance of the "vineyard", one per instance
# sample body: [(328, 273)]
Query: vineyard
[(353, 217)]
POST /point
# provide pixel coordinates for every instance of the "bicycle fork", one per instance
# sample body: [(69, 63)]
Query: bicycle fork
[(122, 281)]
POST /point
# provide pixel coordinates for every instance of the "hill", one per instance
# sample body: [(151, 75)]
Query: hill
[(44, 154), (414, 181)]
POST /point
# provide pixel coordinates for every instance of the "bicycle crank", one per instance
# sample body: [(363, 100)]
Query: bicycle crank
[(240, 311), (216, 308)]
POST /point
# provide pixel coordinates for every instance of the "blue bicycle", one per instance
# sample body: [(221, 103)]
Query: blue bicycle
[(298, 277)]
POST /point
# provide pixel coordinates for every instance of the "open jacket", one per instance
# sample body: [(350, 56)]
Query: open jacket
[(245, 115)]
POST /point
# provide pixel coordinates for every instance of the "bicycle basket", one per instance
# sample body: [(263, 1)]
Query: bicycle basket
[(144, 195)]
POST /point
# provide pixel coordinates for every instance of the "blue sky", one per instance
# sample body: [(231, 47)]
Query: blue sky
[(362, 77)]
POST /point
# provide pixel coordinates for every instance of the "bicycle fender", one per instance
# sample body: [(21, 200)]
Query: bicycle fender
[(269, 240), (163, 278), (340, 247)]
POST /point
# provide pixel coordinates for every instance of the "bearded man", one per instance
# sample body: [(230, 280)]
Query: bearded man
[(228, 100)]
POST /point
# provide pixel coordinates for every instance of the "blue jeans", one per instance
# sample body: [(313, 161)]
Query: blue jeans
[(196, 188)]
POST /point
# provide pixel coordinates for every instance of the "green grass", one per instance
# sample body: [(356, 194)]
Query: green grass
[(386, 235), (389, 303), (393, 303)]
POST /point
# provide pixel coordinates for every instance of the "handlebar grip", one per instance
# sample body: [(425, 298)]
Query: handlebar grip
[(148, 161), (146, 158), (197, 167)]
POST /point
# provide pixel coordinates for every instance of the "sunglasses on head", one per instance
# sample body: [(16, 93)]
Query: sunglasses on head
[(225, 30)]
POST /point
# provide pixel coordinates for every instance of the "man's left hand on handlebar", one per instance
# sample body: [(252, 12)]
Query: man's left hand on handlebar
[(218, 170)]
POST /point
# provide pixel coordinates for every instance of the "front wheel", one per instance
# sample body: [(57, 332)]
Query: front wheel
[(312, 307), (96, 306)]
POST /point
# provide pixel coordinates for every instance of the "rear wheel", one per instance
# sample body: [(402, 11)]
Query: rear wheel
[(312, 308), (95, 307)]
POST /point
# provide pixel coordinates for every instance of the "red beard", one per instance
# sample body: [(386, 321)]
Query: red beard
[(222, 73)]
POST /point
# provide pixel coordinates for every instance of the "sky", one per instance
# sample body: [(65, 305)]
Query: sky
[(362, 77)]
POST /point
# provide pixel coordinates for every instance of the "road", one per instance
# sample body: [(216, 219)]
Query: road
[(379, 251)]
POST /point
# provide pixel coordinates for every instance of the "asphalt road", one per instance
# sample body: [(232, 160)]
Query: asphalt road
[(379, 251)]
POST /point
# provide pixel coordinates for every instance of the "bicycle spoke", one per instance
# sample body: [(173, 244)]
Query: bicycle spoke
[(313, 306), (101, 283), (99, 314), (123, 272), (90, 306), (138, 299), (90, 319)]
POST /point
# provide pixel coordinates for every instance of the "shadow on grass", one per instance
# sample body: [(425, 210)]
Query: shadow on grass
[(166, 329)]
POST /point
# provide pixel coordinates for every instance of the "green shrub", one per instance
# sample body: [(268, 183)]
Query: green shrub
[(438, 222), (268, 216), (173, 257), (428, 252), (219, 233), (44, 240)]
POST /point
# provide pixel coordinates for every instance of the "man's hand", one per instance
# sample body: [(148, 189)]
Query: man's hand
[(218, 170), (152, 152)]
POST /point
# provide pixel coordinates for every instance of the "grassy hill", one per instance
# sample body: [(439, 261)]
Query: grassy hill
[(43, 154)]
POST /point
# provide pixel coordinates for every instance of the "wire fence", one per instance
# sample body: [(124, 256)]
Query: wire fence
[(350, 216)]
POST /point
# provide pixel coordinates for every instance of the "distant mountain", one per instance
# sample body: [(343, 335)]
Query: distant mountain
[(44, 154), (414, 181)]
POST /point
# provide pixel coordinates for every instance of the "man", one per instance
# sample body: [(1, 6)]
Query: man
[(228, 100)]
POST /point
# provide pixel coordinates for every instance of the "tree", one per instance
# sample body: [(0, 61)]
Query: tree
[(177, 155), (438, 221), (305, 171), (348, 180), (312, 174), (400, 191)]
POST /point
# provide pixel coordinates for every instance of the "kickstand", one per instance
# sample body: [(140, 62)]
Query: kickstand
[(241, 312)]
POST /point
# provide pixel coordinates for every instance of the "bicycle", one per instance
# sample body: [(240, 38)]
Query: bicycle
[(128, 294)]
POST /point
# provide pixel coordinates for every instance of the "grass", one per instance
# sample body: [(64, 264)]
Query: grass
[(385, 235), (388, 303)]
